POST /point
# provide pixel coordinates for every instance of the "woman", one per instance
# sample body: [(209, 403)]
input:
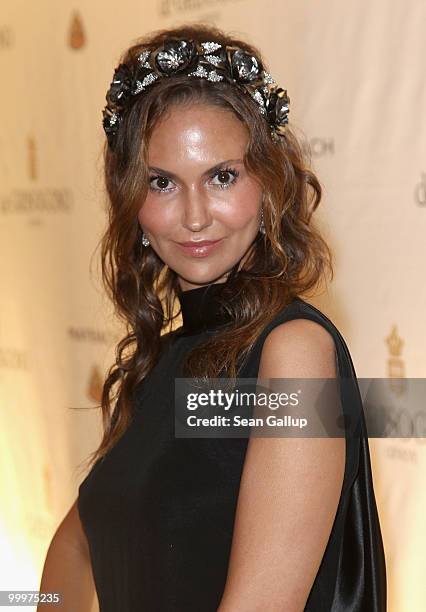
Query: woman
[(210, 204)]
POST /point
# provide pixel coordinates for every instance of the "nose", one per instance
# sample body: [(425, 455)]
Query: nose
[(196, 213)]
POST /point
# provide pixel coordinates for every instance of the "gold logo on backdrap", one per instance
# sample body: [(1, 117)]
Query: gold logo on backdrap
[(77, 36), (319, 146), (32, 158), (395, 363), (13, 358), (95, 386), (7, 37), (420, 190), (167, 8)]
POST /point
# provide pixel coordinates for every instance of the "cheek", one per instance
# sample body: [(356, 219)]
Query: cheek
[(155, 217), (243, 209)]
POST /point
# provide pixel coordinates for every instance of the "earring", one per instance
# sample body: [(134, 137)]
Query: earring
[(145, 240), (262, 229)]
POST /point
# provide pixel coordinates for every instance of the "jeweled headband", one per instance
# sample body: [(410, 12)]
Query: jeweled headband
[(207, 60)]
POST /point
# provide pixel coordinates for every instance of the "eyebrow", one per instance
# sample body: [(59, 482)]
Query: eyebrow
[(205, 173)]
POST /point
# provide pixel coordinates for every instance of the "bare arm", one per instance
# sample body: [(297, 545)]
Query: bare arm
[(289, 491), (67, 567)]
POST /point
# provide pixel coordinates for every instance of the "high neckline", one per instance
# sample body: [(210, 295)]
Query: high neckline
[(201, 309)]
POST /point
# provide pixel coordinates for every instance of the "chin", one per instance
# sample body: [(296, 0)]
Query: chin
[(203, 278)]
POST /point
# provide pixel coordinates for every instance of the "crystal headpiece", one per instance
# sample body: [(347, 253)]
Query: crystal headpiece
[(208, 60)]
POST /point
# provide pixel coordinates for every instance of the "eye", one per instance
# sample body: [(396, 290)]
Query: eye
[(225, 173), (163, 181)]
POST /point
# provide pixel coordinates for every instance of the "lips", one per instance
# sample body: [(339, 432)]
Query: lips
[(202, 248), (198, 243)]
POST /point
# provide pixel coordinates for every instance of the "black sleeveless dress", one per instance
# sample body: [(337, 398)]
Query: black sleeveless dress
[(158, 511)]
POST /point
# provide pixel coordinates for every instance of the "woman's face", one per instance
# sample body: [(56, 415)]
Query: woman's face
[(200, 191)]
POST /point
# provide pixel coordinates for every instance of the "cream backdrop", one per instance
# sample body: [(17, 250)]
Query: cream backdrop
[(355, 73)]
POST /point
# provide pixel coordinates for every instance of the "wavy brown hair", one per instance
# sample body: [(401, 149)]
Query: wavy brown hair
[(289, 261)]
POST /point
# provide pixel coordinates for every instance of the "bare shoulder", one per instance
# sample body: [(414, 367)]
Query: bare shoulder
[(289, 491), (71, 530), (298, 348)]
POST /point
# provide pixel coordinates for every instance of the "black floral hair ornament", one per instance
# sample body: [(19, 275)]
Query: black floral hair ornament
[(207, 60)]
